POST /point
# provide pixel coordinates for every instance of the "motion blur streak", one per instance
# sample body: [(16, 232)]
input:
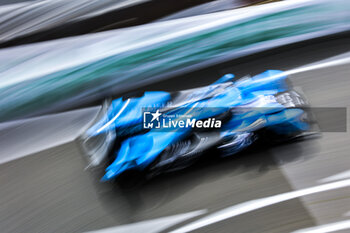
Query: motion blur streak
[(21, 19), (339, 176), (337, 226), (152, 226), (257, 204), (316, 66), (114, 118), (55, 129), (79, 70)]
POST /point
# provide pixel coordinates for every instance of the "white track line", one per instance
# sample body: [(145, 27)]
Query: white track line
[(257, 204), (339, 176), (152, 226)]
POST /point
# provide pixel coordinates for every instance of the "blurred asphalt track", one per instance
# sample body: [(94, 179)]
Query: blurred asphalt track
[(46, 189)]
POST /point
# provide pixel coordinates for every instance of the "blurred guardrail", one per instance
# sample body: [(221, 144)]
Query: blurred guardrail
[(67, 72)]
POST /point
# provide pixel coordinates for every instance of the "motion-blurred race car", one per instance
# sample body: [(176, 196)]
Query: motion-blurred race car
[(162, 132)]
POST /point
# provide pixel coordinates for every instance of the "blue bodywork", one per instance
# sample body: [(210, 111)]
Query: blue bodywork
[(252, 100)]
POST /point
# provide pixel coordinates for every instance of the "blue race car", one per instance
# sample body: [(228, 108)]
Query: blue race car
[(162, 132)]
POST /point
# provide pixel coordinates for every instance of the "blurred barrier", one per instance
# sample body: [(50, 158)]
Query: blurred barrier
[(213, 6), (41, 20), (26, 18), (71, 71)]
